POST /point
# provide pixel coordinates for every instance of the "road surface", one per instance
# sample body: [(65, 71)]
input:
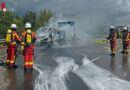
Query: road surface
[(87, 67)]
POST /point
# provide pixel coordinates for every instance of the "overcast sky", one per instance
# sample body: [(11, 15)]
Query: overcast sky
[(91, 14), (73, 6), (109, 8)]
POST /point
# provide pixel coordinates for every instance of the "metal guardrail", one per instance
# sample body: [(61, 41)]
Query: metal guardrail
[(2, 40)]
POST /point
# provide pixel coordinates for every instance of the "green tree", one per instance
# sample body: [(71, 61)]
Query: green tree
[(9, 17), (6, 19), (20, 24), (44, 18), (30, 17)]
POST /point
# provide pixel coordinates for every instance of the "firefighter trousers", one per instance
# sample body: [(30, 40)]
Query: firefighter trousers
[(113, 46), (126, 46), (28, 58), (11, 53)]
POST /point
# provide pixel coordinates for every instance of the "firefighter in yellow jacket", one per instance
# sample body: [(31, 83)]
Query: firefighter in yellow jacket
[(28, 39), (112, 37), (12, 39), (125, 40)]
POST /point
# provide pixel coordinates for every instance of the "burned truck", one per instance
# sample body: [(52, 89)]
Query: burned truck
[(61, 33)]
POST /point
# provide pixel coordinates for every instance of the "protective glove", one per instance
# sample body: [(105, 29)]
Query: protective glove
[(22, 48)]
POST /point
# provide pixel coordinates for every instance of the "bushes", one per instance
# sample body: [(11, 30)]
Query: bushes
[(6, 19)]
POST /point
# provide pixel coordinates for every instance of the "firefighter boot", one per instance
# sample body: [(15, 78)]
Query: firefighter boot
[(112, 54), (123, 52)]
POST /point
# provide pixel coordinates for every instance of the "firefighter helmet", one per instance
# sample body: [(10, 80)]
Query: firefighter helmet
[(4, 9), (112, 27), (125, 28), (13, 26), (28, 25)]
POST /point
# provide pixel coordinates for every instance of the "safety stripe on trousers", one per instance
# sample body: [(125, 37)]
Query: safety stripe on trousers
[(28, 63)]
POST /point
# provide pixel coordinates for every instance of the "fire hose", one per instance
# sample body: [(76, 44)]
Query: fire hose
[(18, 53), (106, 41)]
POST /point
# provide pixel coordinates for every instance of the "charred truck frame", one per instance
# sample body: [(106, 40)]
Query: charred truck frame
[(57, 34)]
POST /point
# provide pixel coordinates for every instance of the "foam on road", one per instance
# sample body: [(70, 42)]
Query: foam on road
[(55, 80), (93, 76), (100, 79)]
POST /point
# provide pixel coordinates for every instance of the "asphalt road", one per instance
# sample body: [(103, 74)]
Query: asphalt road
[(86, 67)]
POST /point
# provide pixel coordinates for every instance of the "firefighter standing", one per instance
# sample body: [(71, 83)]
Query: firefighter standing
[(12, 39), (125, 40), (112, 37), (28, 39)]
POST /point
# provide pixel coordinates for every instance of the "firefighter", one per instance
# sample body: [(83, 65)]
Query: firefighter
[(12, 39), (125, 40), (27, 45), (112, 37)]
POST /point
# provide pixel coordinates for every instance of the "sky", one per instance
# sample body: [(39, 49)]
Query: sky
[(89, 14), (69, 6)]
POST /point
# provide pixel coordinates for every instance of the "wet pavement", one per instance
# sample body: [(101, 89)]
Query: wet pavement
[(17, 79), (117, 66), (68, 69)]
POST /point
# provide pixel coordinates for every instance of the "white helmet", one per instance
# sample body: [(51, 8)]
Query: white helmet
[(112, 27), (28, 25), (4, 9), (125, 28), (14, 26)]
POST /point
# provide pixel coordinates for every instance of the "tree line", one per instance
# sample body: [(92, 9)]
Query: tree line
[(9, 17)]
